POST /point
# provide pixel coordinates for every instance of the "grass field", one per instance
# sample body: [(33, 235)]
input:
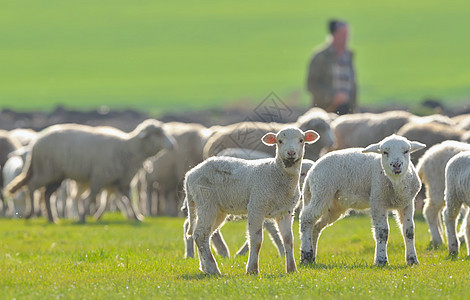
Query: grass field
[(119, 259), (167, 55)]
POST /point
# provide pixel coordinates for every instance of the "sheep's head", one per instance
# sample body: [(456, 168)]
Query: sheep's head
[(290, 143), (322, 126), (395, 151), (153, 137)]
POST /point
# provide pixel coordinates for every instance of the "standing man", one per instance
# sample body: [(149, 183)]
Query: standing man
[(331, 76)]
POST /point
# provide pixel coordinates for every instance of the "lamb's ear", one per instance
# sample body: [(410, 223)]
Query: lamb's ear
[(415, 146), (311, 136), (269, 139), (374, 148)]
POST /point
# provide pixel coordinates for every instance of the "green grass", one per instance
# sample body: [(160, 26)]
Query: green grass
[(119, 259), (164, 55)]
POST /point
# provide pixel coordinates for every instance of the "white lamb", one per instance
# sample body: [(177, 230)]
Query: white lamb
[(457, 192), (380, 177), (431, 170), (264, 188), (101, 157)]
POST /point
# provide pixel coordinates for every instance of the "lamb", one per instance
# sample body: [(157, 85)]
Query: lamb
[(247, 135), (457, 192), (23, 135), (264, 188), (218, 242), (100, 157), (431, 170), (380, 177)]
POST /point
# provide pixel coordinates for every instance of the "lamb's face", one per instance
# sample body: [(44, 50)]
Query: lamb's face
[(290, 143), (395, 156), (395, 151)]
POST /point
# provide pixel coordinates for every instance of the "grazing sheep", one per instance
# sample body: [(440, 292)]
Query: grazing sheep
[(431, 170), (380, 177), (246, 135), (99, 156), (360, 130), (430, 134), (457, 192), (264, 188)]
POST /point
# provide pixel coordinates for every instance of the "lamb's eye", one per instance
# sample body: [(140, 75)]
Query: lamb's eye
[(280, 141), (406, 152), (385, 153), (301, 140)]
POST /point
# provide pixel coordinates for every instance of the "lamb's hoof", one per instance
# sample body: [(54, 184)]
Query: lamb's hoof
[(139, 217), (307, 258), (381, 262), (412, 261), (252, 272)]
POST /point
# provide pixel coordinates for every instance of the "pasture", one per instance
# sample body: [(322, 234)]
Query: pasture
[(115, 258), (159, 56)]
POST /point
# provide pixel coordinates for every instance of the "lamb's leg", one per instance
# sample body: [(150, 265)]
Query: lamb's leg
[(50, 201), (465, 212), (29, 210), (405, 219), (285, 227), (188, 241), (328, 218), (276, 237), (219, 244), (451, 212), (381, 230), (255, 231), (102, 204), (131, 210), (308, 218), (467, 231), (84, 202), (244, 249), (202, 233), (431, 212)]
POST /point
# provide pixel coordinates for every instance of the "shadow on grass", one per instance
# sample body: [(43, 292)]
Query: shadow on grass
[(199, 276), (89, 223), (350, 266)]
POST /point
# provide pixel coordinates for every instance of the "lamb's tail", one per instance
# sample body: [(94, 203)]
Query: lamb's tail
[(22, 179)]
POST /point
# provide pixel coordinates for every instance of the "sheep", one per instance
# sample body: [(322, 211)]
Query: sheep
[(380, 177), (217, 239), (165, 173), (430, 134), (457, 192), (360, 130), (247, 135), (264, 188), (101, 157), (431, 170)]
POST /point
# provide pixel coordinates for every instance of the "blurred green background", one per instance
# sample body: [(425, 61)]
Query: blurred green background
[(172, 55)]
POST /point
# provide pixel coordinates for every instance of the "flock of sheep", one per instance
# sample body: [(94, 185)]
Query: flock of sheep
[(322, 165)]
